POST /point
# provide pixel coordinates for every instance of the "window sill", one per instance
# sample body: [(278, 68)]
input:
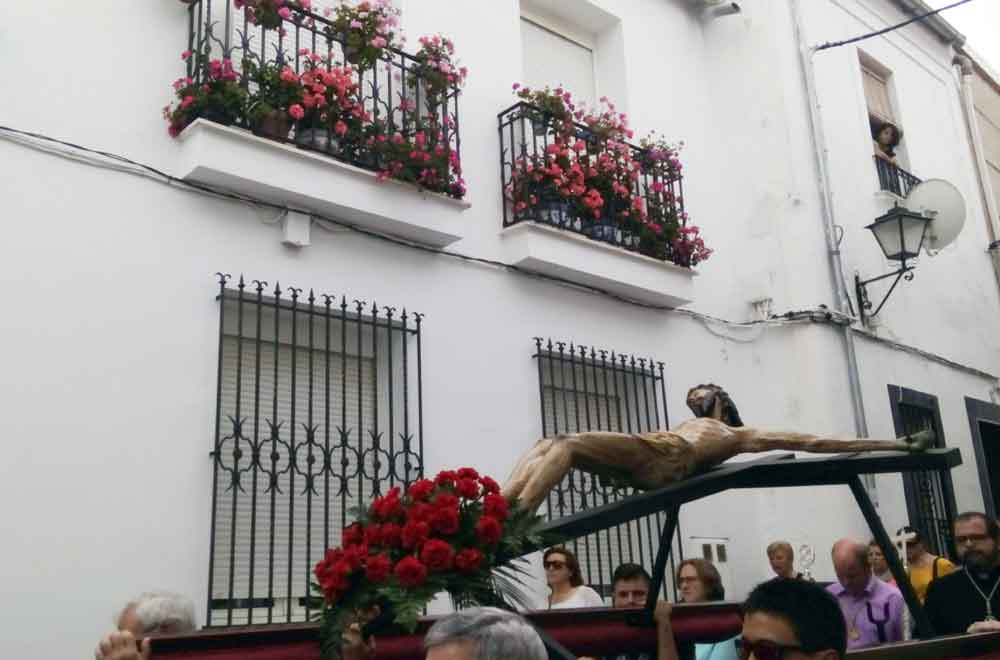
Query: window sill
[(280, 173), (563, 254)]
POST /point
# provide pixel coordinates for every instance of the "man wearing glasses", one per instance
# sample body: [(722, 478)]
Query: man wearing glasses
[(789, 619), (968, 600)]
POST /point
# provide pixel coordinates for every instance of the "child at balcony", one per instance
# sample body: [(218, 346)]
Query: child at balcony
[(887, 138)]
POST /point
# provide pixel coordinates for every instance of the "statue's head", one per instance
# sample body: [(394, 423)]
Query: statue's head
[(710, 400)]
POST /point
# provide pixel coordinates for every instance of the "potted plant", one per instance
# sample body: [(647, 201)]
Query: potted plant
[(330, 104), (278, 88), (270, 14), (364, 30), (436, 73), (549, 108), (215, 95)]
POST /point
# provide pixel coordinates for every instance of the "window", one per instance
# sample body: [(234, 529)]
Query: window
[(930, 496), (318, 412), (585, 389), (552, 58)]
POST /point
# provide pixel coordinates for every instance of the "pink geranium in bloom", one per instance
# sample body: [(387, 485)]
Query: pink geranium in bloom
[(340, 128), (296, 112)]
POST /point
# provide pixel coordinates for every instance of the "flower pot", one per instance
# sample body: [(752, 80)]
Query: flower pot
[(217, 115), (274, 125), (316, 139), (604, 231), (554, 212), (630, 240)]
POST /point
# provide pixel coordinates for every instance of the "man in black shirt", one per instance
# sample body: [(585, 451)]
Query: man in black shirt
[(968, 600)]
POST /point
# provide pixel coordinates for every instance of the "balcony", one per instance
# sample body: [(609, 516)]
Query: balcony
[(894, 179), (310, 119), (594, 209)]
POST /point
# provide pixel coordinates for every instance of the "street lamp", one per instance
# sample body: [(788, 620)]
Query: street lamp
[(900, 233)]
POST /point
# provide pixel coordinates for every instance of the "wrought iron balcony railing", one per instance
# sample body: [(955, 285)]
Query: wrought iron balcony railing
[(638, 204), (893, 178), (405, 102)]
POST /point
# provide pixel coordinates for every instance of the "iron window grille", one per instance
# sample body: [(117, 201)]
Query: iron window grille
[(526, 131), (590, 389), (394, 90), (893, 178), (318, 410), (930, 495)]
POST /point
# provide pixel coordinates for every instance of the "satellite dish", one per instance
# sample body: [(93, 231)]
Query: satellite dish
[(940, 201)]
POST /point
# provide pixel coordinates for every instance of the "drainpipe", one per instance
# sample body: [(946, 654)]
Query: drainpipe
[(965, 70), (842, 301)]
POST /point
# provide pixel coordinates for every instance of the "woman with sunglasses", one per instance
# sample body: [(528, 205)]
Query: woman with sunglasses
[(562, 573), (698, 581)]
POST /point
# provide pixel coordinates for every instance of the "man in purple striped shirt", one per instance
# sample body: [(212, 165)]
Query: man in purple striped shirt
[(872, 609)]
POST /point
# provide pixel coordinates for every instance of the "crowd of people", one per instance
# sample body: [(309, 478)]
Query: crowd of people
[(789, 617)]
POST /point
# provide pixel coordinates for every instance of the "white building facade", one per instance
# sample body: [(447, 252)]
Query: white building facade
[(116, 373)]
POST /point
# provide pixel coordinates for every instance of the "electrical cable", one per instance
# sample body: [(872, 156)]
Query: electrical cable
[(835, 44)]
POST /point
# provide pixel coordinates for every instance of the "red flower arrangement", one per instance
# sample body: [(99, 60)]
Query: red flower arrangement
[(454, 533)]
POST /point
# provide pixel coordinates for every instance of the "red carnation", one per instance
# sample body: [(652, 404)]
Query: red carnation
[(410, 572), (392, 535), (489, 485), (467, 488), (355, 555), (445, 478), (489, 530), (446, 501), (420, 512), (377, 568), (415, 533), (388, 505), (354, 534), (437, 555), (445, 521), (467, 473), (468, 560), (373, 534), (420, 490), (495, 506)]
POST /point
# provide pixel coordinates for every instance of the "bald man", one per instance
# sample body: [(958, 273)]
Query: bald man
[(872, 609)]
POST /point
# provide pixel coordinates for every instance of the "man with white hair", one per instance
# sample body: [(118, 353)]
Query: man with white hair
[(158, 612), (478, 633)]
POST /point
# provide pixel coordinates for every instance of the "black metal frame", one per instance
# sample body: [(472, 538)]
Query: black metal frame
[(930, 495), (393, 90), (983, 412), (893, 178), (265, 460), (588, 389), (782, 471)]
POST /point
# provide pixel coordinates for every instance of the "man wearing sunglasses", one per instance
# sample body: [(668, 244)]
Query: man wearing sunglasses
[(789, 619), (968, 600)]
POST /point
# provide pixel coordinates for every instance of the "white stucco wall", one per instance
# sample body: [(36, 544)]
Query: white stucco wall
[(109, 338)]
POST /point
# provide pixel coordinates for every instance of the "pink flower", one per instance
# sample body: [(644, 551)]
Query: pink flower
[(306, 4), (296, 112), (285, 13), (188, 100), (186, 55), (378, 42), (340, 128), (357, 25), (288, 74)]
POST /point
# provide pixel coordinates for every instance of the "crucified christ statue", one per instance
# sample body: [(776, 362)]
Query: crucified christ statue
[(652, 460)]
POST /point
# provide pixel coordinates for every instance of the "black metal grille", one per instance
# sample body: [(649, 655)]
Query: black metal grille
[(590, 389), (318, 410), (526, 131), (930, 495), (394, 90), (893, 178)]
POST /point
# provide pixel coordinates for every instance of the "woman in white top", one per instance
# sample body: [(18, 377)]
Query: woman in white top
[(562, 572)]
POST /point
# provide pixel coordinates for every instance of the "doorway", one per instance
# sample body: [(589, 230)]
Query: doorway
[(984, 423)]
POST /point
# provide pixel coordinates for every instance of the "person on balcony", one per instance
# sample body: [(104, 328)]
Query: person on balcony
[(872, 609), (789, 619), (159, 612), (887, 138), (923, 566), (562, 573), (699, 582), (968, 600)]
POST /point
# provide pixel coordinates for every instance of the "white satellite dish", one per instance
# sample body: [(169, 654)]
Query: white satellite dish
[(940, 201)]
